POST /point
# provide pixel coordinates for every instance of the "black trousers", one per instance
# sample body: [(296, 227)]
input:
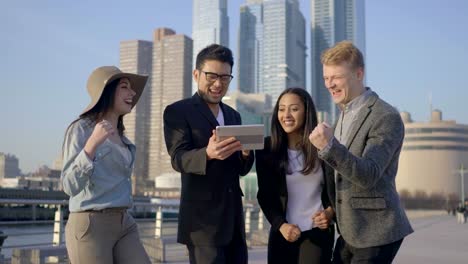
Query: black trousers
[(345, 253), (313, 247), (233, 253)]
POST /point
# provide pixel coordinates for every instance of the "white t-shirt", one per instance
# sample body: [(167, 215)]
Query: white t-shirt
[(304, 191), (220, 117)]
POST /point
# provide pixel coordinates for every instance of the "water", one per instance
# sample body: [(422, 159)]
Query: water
[(25, 234), (21, 235)]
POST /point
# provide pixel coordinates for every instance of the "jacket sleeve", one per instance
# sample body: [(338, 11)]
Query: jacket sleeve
[(184, 157), (77, 167), (245, 163), (384, 139), (325, 198), (268, 194), (328, 190)]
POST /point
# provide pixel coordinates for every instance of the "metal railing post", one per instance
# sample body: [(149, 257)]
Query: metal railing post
[(260, 219), (58, 227), (247, 219), (158, 229)]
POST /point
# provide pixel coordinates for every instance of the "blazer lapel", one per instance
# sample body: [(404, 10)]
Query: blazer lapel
[(204, 110), (362, 116)]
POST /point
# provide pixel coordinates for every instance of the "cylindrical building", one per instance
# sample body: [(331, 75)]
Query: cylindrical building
[(432, 155)]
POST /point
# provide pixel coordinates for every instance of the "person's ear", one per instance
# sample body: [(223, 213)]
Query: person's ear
[(196, 75), (360, 73)]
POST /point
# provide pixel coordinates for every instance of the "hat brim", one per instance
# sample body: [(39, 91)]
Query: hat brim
[(137, 81)]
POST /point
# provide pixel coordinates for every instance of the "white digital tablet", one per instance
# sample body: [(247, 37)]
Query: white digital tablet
[(250, 136)]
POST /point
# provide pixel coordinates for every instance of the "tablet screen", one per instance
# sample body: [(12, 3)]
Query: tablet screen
[(250, 136)]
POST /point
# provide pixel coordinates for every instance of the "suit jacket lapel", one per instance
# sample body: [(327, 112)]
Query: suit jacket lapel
[(204, 110), (362, 116)]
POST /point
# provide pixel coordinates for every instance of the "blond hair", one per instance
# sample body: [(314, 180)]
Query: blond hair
[(343, 51)]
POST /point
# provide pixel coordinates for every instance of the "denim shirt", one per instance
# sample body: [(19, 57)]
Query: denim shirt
[(95, 184)]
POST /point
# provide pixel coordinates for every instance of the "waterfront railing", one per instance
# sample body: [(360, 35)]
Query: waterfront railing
[(158, 226)]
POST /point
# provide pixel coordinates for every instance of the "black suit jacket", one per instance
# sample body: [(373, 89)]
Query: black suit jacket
[(210, 206), (272, 190)]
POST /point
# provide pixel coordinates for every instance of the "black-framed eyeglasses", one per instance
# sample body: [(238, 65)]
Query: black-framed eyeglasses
[(211, 77)]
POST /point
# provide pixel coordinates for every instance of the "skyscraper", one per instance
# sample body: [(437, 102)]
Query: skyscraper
[(135, 57), (332, 21), (210, 24), (171, 81), (9, 166), (250, 44), (272, 53)]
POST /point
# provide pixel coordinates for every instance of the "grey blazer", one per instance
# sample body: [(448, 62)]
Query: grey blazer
[(365, 198)]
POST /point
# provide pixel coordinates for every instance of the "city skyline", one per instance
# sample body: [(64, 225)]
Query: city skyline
[(136, 57), (210, 24), (413, 49), (250, 47), (271, 47), (332, 21), (171, 81), (167, 60)]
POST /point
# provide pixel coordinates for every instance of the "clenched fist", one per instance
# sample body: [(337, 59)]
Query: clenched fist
[(323, 218), (321, 135), (290, 232), (101, 132)]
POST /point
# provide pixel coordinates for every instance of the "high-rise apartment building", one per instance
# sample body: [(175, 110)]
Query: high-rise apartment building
[(210, 24), (272, 48), (9, 166), (171, 81), (136, 57), (332, 21), (250, 47)]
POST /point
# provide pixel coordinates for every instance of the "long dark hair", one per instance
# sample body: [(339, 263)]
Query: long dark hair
[(279, 138), (103, 105)]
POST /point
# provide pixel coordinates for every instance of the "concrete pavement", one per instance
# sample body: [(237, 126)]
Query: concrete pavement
[(437, 239)]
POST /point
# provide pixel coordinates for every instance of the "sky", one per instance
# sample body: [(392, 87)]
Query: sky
[(415, 50)]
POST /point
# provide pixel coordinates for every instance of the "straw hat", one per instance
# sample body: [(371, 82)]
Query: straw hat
[(104, 75)]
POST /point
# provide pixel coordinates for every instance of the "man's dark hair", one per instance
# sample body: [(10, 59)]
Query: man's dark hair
[(214, 52)]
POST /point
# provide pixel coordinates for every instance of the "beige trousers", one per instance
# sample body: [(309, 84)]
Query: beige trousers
[(104, 238)]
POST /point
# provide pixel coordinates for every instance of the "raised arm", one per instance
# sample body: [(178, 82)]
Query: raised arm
[(384, 139), (77, 166)]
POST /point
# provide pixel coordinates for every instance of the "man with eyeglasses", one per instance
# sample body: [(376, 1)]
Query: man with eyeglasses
[(211, 222)]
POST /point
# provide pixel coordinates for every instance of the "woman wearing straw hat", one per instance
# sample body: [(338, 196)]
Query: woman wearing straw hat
[(98, 161)]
